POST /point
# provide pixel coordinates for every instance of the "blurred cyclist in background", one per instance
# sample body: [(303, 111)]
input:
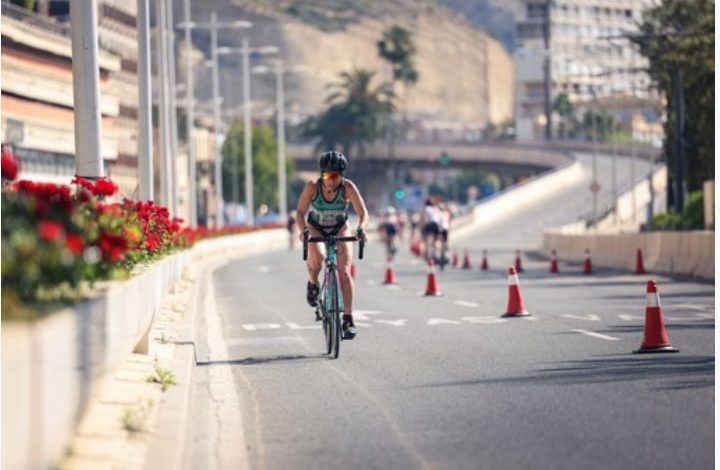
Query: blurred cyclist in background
[(390, 228)]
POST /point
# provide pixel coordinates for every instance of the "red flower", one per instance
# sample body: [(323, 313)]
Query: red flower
[(75, 244), (85, 183), (112, 246), (105, 187), (10, 166), (50, 230)]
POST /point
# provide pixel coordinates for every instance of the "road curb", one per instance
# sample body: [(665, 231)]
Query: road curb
[(168, 446)]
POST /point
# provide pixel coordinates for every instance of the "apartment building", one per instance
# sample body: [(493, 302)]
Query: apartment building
[(37, 99), (586, 62)]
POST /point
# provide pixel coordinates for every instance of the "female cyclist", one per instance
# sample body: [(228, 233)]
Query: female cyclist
[(323, 210)]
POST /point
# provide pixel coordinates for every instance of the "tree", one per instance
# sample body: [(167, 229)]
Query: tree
[(397, 48), (565, 109), (265, 165), (679, 35), (351, 119)]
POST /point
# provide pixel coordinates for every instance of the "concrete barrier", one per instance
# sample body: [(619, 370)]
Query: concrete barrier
[(52, 367), (674, 253), (516, 198)]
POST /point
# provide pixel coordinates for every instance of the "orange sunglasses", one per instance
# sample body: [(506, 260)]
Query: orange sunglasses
[(331, 175)]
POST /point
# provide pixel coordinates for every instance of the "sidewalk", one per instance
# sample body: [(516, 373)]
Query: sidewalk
[(118, 428)]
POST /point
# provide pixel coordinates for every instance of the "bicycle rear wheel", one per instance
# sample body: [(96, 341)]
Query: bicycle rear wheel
[(334, 314)]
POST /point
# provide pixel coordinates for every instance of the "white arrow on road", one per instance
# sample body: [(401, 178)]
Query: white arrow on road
[(588, 317)]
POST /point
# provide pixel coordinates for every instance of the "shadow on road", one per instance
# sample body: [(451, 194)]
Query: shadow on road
[(253, 361), (610, 370)]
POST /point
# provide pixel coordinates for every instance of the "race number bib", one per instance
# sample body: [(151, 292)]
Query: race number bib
[(330, 218)]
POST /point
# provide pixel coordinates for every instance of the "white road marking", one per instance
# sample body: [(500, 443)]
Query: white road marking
[(588, 317), (364, 325), (371, 282), (260, 326), (597, 335), (690, 306), (393, 322), (463, 303), (530, 318), (705, 315), (363, 314), (484, 319), (295, 326), (393, 287), (414, 262), (626, 317), (263, 269), (441, 321)]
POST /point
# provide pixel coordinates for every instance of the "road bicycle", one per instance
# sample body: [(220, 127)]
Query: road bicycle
[(330, 300)]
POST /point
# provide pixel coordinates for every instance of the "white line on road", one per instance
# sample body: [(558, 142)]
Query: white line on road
[(260, 326), (626, 317), (441, 321), (597, 335), (393, 287), (588, 317), (263, 269), (463, 303), (393, 322), (484, 319)]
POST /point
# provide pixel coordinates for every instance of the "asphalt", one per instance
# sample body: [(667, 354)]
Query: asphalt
[(445, 382)]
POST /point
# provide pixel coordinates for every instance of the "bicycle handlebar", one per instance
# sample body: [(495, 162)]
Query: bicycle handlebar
[(307, 240)]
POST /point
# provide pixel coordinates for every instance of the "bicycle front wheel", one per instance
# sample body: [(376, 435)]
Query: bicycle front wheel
[(335, 326)]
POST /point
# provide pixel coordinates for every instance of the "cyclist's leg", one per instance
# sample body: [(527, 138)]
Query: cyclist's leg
[(316, 258), (347, 286)]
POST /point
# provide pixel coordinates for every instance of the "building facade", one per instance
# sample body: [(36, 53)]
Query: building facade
[(590, 59), (37, 100)]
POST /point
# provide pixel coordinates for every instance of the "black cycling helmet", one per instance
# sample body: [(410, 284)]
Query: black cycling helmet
[(333, 160)]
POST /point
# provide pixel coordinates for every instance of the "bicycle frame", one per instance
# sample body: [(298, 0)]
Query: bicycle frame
[(331, 302)]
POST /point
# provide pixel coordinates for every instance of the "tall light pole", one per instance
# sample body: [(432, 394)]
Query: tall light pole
[(280, 70), (190, 117), (213, 27), (247, 123), (144, 103)]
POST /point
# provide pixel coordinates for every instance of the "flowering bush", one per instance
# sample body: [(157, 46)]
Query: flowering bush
[(54, 239)]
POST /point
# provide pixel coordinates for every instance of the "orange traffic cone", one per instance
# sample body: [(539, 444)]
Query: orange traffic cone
[(389, 273), (516, 306), (655, 339), (484, 265), (353, 270), (455, 260), (432, 287), (553, 262), (587, 266), (639, 267), (518, 262), (466, 260)]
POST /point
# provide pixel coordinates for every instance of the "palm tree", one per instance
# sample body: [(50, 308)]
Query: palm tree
[(352, 116)]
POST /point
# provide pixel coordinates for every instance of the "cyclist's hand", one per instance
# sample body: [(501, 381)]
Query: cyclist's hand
[(361, 235), (304, 233)]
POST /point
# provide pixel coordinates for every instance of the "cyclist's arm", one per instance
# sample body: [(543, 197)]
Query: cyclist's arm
[(358, 203), (304, 204)]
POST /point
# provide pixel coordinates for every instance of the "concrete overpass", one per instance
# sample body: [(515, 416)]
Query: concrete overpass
[(510, 161)]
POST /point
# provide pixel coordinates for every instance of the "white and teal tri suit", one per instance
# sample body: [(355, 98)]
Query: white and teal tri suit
[(330, 217)]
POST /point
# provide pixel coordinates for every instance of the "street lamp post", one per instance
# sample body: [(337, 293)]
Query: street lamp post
[(245, 51), (280, 69), (190, 117), (213, 27)]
